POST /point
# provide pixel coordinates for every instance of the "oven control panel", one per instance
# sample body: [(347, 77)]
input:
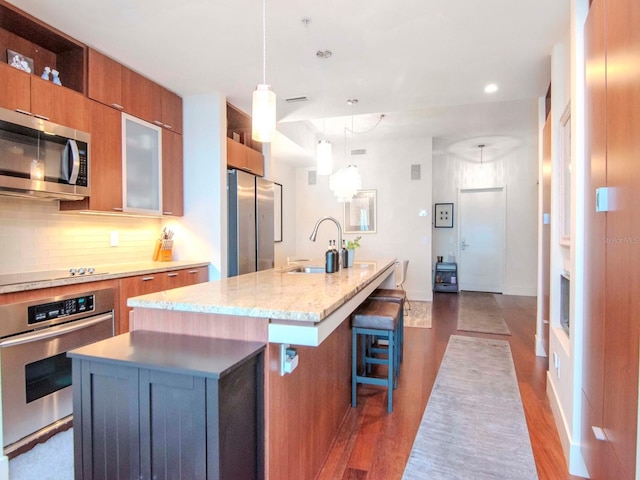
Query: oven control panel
[(61, 308)]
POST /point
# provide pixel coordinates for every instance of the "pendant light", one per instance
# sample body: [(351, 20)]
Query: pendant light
[(263, 112), (346, 182), (481, 147), (323, 149)]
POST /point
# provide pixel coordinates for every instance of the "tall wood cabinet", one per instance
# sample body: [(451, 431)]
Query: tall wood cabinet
[(612, 262)]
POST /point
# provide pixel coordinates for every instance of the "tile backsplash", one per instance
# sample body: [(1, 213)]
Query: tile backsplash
[(35, 236)]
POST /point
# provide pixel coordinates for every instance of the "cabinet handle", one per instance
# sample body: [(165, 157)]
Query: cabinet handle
[(158, 122), (43, 117), (146, 279), (24, 112), (168, 126), (118, 209), (248, 169), (172, 274), (167, 213), (118, 106), (193, 271)]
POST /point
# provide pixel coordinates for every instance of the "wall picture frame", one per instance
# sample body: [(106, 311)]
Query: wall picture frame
[(360, 213), (19, 61), (443, 215)]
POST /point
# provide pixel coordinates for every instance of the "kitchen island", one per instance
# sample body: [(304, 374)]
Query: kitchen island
[(308, 311)]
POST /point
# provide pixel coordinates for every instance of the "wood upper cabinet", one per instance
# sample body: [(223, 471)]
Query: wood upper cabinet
[(60, 105), (15, 93), (172, 174), (34, 96), (141, 97), (105, 162), (244, 158), (119, 87), (105, 80), (171, 111)]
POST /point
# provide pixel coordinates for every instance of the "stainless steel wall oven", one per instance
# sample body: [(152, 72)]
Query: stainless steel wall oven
[(35, 337)]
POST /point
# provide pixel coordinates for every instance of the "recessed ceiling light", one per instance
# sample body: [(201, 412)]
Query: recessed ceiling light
[(491, 88)]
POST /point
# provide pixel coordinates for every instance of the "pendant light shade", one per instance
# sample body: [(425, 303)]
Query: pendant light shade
[(263, 110), (323, 157), (263, 114), (345, 183)]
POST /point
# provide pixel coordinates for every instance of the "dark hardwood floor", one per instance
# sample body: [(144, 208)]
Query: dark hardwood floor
[(375, 445)]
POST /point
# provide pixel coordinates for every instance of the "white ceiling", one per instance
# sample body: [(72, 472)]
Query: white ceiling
[(421, 63)]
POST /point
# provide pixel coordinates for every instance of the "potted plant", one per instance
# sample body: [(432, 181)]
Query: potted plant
[(351, 250)]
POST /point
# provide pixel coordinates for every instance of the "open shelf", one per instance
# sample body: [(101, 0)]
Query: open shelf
[(46, 46)]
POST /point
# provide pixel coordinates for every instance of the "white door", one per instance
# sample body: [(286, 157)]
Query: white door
[(482, 233)]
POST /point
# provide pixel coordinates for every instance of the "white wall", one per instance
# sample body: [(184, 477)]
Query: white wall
[(285, 174), (515, 169), (565, 381), (401, 231), (203, 227)]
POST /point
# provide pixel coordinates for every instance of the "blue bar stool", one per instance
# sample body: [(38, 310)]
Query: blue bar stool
[(396, 296), (379, 319)]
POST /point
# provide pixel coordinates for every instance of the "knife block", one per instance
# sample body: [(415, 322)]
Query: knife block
[(163, 251), (166, 255)]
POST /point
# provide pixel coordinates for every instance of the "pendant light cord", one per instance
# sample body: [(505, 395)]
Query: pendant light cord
[(264, 42)]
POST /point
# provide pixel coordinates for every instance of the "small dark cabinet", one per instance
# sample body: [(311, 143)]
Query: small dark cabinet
[(445, 278), (151, 405)]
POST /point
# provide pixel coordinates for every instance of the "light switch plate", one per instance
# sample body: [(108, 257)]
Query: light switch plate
[(603, 200)]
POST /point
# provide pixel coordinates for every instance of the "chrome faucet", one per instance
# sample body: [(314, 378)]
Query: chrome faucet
[(314, 234)]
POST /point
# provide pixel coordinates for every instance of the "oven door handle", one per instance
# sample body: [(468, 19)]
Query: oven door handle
[(54, 331)]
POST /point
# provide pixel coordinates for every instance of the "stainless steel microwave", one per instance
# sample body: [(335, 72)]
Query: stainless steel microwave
[(40, 159)]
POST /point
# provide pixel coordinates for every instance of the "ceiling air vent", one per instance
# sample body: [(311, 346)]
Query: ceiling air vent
[(296, 99), (359, 151)]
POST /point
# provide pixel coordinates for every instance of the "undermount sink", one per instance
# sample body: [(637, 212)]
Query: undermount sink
[(308, 269)]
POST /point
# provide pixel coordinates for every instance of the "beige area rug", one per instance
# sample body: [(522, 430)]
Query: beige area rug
[(479, 312), (474, 425), (419, 316)]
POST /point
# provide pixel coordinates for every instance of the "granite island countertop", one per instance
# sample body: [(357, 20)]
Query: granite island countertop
[(275, 294), (19, 282)]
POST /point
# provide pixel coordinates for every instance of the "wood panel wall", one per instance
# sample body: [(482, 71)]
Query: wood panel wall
[(612, 326), (622, 302)]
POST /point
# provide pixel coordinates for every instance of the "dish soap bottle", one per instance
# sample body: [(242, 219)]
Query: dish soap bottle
[(329, 263), (344, 255)]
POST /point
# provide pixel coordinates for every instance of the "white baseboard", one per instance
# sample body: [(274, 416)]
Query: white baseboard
[(572, 453), (540, 351)]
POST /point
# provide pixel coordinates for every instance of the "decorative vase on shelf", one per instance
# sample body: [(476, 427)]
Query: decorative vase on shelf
[(351, 250), (56, 78), (351, 254), (45, 74)]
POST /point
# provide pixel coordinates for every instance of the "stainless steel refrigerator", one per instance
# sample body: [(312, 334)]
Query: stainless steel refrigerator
[(250, 233)]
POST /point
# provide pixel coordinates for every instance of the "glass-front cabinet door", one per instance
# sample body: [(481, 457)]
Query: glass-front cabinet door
[(141, 166)]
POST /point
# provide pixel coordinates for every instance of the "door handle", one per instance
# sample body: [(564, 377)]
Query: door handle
[(464, 245)]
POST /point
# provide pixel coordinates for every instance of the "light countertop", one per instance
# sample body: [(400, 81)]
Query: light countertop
[(27, 281), (276, 294)]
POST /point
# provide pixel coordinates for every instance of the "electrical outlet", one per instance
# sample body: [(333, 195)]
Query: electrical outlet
[(114, 238)]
